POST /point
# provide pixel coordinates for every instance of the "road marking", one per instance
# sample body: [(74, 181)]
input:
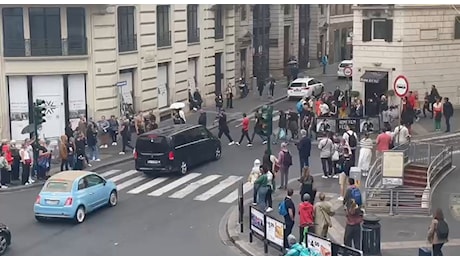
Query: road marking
[(174, 184), (194, 186), (108, 173), (147, 185), (234, 195), (126, 184), (122, 176), (218, 188)]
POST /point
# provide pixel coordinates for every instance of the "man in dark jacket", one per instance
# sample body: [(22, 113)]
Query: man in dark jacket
[(304, 147), (223, 127), (434, 95), (202, 120), (448, 112)]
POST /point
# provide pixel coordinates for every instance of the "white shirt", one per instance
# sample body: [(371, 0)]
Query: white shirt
[(346, 136), (182, 115), (25, 153), (324, 108), (401, 134)]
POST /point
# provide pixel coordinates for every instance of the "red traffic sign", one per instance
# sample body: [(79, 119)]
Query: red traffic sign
[(347, 72), (401, 86)]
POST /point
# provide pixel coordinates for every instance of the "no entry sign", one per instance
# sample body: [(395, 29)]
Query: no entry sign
[(401, 86), (347, 71)]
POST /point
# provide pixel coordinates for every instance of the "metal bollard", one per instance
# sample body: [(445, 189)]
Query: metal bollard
[(371, 236), (241, 207)]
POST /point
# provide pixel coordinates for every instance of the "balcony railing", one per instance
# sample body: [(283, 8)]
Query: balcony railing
[(127, 44), (164, 39), (193, 35), (45, 47), (219, 32), (77, 46), (14, 48)]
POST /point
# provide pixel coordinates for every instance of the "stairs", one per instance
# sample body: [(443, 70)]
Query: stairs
[(415, 176), (406, 200)]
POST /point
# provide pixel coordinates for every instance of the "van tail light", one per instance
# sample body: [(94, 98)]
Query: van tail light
[(307, 88), (135, 155), (171, 156), (68, 201), (289, 88), (37, 201)]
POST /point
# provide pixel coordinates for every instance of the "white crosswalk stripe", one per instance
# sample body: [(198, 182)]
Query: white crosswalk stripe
[(234, 195), (130, 182), (218, 188), (147, 185), (109, 173), (174, 184), (123, 175), (194, 186)]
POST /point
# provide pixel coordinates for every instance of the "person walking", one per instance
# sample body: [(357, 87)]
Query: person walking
[(80, 153), (113, 130), (282, 127), (284, 162), (223, 127), (437, 110), (354, 216), (323, 213), (401, 135), (286, 209), (352, 140), (229, 95), (125, 134), (270, 191), (91, 139), (448, 111), (272, 83), (258, 128), (306, 184), (304, 148), (253, 176), (64, 153), (438, 232), (326, 147), (365, 154), (383, 143), (324, 61), (219, 103), (245, 130)]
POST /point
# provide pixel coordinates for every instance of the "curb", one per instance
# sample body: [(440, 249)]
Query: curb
[(40, 183)]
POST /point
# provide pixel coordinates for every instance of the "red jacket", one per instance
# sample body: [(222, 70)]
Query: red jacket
[(246, 124), (8, 155), (306, 214)]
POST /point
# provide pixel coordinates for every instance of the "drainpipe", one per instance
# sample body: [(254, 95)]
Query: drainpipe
[(328, 21)]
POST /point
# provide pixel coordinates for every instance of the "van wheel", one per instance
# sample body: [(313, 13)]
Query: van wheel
[(217, 153), (80, 215), (183, 168)]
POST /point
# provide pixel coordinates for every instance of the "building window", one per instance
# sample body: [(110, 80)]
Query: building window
[(76, 31), (193, 32), (126, 33), (219, 23), (45, 31), (457, 28), (321, 9), (333, 9), (377, 29), (163, 32), (287, 9), (347, 9), (13, 32), (243, 12)]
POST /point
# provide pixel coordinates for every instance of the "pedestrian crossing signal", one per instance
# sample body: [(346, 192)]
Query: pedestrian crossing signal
[(267, 120), (39, 112)]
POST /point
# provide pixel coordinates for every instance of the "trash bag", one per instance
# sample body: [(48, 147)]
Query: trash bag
[(282, 134)]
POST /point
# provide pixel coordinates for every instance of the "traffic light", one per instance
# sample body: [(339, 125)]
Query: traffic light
[(267, 120), (39, 112)]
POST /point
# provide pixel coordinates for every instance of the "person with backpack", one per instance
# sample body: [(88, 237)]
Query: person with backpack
[(326, 147), (438, 233), (284, 162), (354, 216), (286, 208), (351, 139), (353, 194)]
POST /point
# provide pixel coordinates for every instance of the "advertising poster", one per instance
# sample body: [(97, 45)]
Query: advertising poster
[(369, 125), (19, 106), (324, 125), (77, 99), (275, 231), (344, 122), (320, 244), (341, 250), (257, 221)]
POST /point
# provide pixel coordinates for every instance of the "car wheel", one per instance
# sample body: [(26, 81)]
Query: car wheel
[(217, 153), (113, 199), (183, 168), (80, 215), (40, 219), (3, 244)]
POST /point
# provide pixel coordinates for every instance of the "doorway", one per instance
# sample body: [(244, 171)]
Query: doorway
[(287, 44), (163, 88), (243, 54), (218, 73), (374, 90)]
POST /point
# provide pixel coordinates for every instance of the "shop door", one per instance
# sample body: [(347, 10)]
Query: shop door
[(163, 88), (192, 81)]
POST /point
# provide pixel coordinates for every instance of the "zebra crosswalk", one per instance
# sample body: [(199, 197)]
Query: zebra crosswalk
[(199, 186)]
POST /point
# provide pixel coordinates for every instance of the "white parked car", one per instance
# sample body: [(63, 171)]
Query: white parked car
[(305, 87), (342, 66)]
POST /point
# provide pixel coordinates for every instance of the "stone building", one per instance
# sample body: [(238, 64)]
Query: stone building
[(97, 60), (420, 42)]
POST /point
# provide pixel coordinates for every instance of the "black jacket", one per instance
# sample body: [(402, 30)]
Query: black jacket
[(223, 122), (202, 120), (304, 146), (448, 109)]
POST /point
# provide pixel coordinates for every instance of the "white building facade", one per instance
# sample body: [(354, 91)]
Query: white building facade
[(420, 42), (95, 60)]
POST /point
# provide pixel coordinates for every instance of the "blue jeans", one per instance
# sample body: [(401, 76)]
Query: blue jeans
[(304, 162), (261, 197), (93, 152)]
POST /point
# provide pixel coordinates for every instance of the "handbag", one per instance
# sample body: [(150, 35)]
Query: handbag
[(282, 134), (335, 156)]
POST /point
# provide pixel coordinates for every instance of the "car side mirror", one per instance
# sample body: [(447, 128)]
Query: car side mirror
[(104, 182)]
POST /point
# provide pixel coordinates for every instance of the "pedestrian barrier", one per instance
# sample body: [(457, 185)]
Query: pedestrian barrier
[(270, 231)]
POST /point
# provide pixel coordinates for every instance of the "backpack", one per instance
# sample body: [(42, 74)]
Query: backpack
[(352, 140), (442, 230), (282, 210), (356, 196), (287, 159)]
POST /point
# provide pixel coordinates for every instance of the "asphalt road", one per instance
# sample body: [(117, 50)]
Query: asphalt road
[(176, 219)]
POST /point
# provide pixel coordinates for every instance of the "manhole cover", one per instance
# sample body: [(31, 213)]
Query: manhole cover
[(406, 234), (454, 205)]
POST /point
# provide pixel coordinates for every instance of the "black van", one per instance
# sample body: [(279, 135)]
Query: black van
[(175, 148)]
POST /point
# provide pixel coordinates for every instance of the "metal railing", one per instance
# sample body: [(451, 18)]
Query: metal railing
[(42, 47), (440, 164), (77, 46), (127, 44), (193, 35), (14, 48), (164, 39), (398, 200), (45, 47)]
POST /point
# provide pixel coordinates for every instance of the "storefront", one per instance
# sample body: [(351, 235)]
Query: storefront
[(64, 96), (163, 88), (126, 91), (375, 85)]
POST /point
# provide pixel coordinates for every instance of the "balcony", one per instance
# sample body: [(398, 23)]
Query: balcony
[(72, 46), (77, 46), (126, 44), (45, 47), (164, 39), (193, 35), (219, 32)]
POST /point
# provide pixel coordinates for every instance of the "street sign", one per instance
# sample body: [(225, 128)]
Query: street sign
[(348, 71), (121, 83), (401, 86)]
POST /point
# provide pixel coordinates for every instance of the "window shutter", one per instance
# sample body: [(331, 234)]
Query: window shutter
[(457, 28), (389, 30), (367, 30)]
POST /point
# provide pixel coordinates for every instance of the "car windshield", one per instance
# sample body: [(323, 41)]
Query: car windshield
[(152, 144), (343, 65), (298, 85), (57, 186)]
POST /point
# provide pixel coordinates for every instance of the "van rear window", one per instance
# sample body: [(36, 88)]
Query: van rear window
[(343, 65), (157, 144), (298, 85)]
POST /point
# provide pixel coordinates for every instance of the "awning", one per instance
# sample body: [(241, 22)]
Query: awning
[(373, 76)]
